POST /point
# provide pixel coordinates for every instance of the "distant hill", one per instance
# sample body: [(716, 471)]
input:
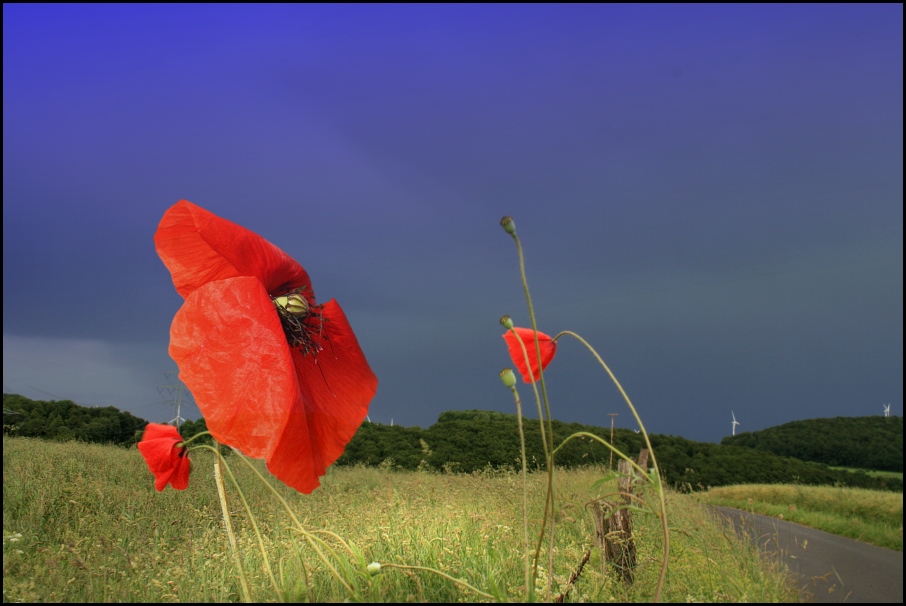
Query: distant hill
[(470, 440), (864, 442)]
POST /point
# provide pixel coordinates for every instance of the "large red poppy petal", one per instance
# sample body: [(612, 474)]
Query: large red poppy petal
[(199, 247), (546, 345), (232, 354), (337, 384)]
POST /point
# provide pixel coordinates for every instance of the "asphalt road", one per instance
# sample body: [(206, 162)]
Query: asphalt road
[(827, 568)]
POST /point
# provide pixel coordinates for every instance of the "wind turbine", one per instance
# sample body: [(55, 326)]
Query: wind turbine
[(735, 422), (887, 410), (175, 392)]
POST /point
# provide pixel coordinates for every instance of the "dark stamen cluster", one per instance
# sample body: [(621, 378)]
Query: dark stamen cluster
[(302, 329)]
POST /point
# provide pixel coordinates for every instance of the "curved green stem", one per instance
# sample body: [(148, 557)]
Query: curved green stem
[(188, 441), (531, 310), (301, 529), (313, 543), (442, 574), (615, 450), (248, 511), (234, 546), (660, 488), (550, 427), (548, 458), (529, 585)]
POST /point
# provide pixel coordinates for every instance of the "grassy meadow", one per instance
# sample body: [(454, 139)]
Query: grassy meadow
[(83, 523), (873, 516)]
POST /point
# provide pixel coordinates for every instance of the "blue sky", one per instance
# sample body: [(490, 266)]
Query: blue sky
[(711, 195)]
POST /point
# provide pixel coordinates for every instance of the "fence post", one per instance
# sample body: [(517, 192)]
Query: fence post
[(613, 524)]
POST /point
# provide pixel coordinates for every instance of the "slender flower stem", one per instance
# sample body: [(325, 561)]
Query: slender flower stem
[(531, 310), (547, 410), (529, 585), (248, 511), (312, 540), (234, 547), (660, 488), (599, 439), (313, 543), (336, 537), (442, 574), (548, 460)]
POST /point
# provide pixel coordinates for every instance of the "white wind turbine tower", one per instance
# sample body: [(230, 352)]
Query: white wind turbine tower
[(735, 422), (887, 410)]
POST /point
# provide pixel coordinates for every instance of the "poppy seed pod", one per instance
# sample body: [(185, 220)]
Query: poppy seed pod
[(508, 377)]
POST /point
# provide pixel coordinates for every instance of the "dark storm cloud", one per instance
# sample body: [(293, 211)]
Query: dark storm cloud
[(711, 195)]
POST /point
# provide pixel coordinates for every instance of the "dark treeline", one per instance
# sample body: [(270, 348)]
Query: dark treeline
[(64, 420), (468, 441), (862, 442)]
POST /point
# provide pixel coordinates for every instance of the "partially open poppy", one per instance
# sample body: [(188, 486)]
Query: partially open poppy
[(547, 346), (275, 375), (168, 462)]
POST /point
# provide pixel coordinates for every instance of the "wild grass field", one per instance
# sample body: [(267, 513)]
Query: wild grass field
[(84, 523), (872, 516)]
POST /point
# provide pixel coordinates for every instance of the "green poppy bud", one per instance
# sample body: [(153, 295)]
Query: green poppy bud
[(374, 568), (508, 225), (507, 322), (508, 378)]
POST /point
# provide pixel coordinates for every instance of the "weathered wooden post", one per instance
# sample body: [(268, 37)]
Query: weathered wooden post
[(643, 459), (613, 526)]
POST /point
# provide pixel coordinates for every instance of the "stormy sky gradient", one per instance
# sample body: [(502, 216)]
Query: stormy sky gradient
[(711, 195)]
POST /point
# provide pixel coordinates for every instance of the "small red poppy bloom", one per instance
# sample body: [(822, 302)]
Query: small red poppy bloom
[(547, 346), (168, 463), (275, 375)]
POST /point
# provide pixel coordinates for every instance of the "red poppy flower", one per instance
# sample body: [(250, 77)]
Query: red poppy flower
[(168, 463), (547, 346), (275, 375)]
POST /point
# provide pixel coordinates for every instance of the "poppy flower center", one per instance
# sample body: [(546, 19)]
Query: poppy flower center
[(300, 320)]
